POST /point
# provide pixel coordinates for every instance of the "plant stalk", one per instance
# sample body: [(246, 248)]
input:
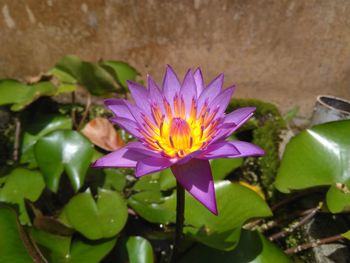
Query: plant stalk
[(180, 217)]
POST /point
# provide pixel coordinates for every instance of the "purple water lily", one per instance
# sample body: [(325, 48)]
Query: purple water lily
[(181, 126)]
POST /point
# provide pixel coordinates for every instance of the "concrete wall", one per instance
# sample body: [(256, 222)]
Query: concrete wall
[(286, 52)]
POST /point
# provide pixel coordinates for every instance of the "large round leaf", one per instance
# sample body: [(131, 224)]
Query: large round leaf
[(61, 151), (22, 184), (236, 205), (103, 218), (315, 157), (220, 168), (33, 131), (12, 248), (253, 247), (59, 249), (338, 200), (139, 250)]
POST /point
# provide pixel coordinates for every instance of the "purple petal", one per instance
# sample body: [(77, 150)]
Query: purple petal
[(221, 149), (141, 148), (233, 121), (130, 126), (219, 104), (210, 93), (188, 90), (246, 149), (140, 95), (139, 116), (155, 95), (239, 116), (198, 78), (171, 85), (119, 108), (195, 176), (151, 165), (123, 157)]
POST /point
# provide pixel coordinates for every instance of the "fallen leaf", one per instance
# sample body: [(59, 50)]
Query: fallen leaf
[(102, 133)]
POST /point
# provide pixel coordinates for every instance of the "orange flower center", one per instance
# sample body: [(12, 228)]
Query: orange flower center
[(177, 134)]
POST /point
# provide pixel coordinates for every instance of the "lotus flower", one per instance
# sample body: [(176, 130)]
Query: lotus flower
[(181, 126)]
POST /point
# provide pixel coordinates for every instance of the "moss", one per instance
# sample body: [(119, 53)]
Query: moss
[(265, 130)]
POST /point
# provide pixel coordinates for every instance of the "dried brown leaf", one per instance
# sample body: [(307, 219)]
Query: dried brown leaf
[(102, 133)]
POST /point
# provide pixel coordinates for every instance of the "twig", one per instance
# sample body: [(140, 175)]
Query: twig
[(276, 222), (290, 229), (316, 243), (254, 224), (292, 198), (85, 114), (16, 143)]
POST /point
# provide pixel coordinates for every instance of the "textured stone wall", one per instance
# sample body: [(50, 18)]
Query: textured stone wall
[(286, 52)]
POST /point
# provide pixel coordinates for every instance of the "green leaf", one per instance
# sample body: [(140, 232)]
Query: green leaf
[(147, 183), (93, 77), (346, 235), (166, 180), (337, 200), (162, 211), (139, 250), (101, 219), (96, 79), (89, 252), (60, 151), (12, 247), (59, 249), (253, 247), (115, 179), (222, 167), (12, 91), (62, 76), (21, 95), (22, 184), (68, 69), (66, 88), (315, 157), (58, 246), (121, 71), (33, 131), (236, 205)]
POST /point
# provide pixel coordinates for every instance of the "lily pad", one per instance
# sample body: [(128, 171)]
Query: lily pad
[(236, 205), (33, 131), (139, 250), (222, 167), (114, 179), (61, 151), (58, 249), (22, 184), (316, 157), (253, 247), (338, 201), (11, 243), (103, 218)]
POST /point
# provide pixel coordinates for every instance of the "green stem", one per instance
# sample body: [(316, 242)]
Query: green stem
[(180, 216)]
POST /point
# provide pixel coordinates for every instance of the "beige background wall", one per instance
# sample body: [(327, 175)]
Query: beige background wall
[(281, 51)]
